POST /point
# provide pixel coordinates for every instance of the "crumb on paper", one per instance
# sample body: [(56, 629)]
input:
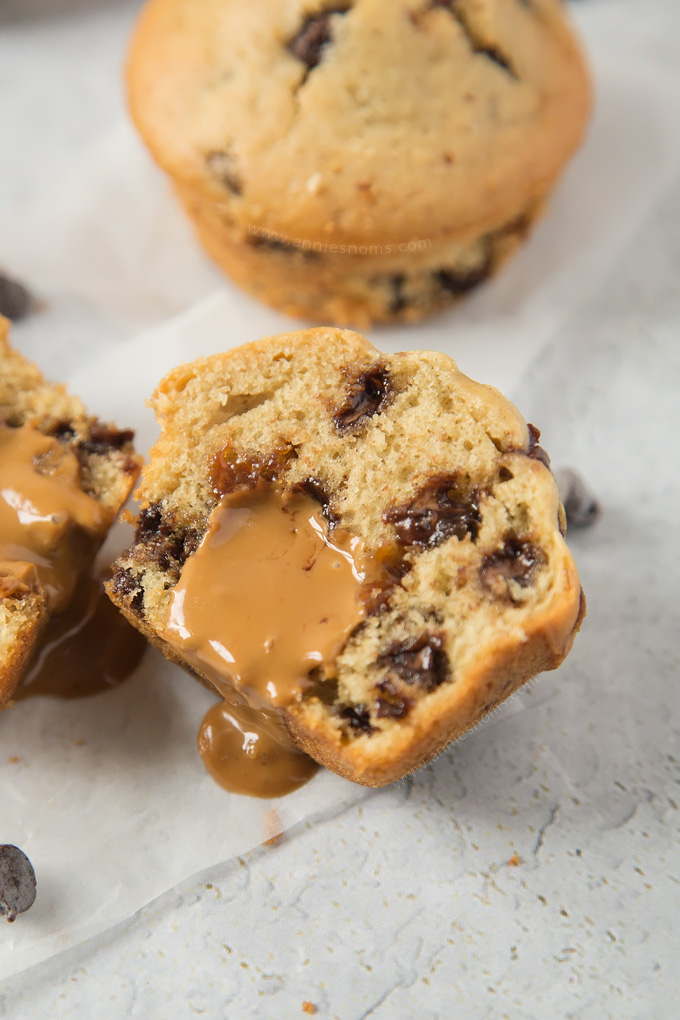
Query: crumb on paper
[(515, 860), (14, 759), (308, 1007)]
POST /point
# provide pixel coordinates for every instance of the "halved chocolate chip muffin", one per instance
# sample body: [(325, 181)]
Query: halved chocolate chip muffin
[(362, 160), (64, 475), (368, 546)]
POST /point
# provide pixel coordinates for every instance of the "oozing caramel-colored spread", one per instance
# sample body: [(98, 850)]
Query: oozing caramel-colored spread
[(248, 752), (88, 648), (269, 596), (45, 517)]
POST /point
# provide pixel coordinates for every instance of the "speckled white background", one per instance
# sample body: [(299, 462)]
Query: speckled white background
[(405, 906)]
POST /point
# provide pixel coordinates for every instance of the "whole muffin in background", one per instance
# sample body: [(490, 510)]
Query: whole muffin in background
[(359, 161)]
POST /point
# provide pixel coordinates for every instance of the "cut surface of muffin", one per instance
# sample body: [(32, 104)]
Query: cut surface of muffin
[(64, 477), (361, 161), (367, 545)]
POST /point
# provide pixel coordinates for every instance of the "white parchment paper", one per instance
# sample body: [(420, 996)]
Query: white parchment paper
[(107, 795)]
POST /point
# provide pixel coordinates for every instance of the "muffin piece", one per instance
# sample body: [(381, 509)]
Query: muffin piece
[(23, 614), (364, 160), (65, 475), (431, 484)]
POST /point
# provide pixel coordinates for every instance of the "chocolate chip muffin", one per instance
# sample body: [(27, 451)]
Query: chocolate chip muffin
[(64, 476), (362, 161), (447, 582)]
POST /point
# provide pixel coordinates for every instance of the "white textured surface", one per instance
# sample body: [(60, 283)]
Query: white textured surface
[(406, 906)]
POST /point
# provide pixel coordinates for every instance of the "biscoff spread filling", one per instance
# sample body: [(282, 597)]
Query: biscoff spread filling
[(45, 517), (270, 596)]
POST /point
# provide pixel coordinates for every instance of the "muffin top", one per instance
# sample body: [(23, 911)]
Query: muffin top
[(359, 120)]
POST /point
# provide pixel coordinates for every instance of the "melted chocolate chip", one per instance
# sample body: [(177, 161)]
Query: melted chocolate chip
[(314, 488), (391, 704), (233, 470), (420, 661), (17, 881), (515, 561), (320, 686), (357, 717), (63, 431), (376, 594), (366, 396), (15, 300), (125, 584), (163, 542), (436, 514), (314, 34), (149, 522), (223, 166), (103, 439), (190, 544), (535, 451)]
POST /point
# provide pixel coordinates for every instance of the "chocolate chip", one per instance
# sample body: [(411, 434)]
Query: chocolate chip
[(515, 561), (357, 717), (274, 244), (420, 661), (477, 45), (399, 300), (580, 505), (233, 470), (15, 300), (505, 474), (391, 704), (436, 514), (277, 244), (222, 165), (460, 281), (314, 488), (313, 35), (367, 394), (535, 451), (17, 881)]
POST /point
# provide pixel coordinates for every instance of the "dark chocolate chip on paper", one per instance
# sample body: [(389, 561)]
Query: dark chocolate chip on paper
[(17, 881)]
